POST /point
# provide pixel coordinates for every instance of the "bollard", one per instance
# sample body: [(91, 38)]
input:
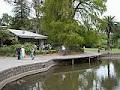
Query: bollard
[(72, 61), (89, 60)]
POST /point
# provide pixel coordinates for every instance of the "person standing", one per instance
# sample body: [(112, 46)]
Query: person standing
[(22, 52), (33, 52), (63, 50), (18, 51)]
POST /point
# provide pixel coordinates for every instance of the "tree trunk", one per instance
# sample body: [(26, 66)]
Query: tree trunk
[(1, 42), (108, 40)]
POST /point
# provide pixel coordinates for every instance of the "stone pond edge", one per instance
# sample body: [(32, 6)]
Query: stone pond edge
[(18, 72)]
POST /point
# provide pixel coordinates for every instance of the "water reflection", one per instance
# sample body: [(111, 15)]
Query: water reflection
[(104, 72), (104, 76)]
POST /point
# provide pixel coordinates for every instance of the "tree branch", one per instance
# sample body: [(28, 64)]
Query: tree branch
[(76, 8)]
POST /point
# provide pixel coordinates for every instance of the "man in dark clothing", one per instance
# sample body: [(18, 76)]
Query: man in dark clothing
[(18, 52)]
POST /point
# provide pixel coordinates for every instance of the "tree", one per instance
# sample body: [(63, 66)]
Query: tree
[(22, 11), (6, 19), (59, 23), (66, 34), (109, 28), (116, 35), (37, 5), (92, 38), (89, 11), (4, 35)]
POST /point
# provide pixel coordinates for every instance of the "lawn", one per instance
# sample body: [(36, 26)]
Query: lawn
[(114, 50)]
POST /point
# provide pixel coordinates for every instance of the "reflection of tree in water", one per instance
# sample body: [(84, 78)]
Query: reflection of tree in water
[(71, 80), (110, 81), (117, 70), (91, 80), (32, 82), (102, 77)]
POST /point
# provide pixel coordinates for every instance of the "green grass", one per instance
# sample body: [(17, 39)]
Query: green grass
[(114, 50), (91, 50)]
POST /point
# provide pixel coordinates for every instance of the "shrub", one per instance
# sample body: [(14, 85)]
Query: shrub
[(7, 51), (11, 50)]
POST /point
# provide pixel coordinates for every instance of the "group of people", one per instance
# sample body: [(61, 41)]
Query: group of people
[(21, 52)]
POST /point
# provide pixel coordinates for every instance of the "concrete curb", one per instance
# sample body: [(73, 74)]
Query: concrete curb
[(15, 73)]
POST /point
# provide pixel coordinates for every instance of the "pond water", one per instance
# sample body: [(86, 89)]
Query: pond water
[(103, 75)]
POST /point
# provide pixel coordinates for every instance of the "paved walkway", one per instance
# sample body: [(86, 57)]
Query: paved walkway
[(10, 62)]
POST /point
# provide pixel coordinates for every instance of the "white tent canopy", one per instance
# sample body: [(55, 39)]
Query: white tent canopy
[(27, 34)]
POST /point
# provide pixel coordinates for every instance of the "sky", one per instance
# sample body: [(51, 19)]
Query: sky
[(112, 8), (5, 8)]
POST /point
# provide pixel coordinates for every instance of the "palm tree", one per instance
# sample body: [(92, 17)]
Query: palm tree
[(109, 28)]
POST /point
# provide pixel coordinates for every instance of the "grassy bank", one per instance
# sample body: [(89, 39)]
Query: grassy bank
[(114, 50)]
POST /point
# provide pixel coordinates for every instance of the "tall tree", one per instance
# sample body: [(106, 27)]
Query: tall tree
[(109, 28), (22, 11), (37, 5), (59, 23)]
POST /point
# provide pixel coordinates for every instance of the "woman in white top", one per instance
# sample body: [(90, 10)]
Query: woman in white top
[(63, 50), (22, 52)]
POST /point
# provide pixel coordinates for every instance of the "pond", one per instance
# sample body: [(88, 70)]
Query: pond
[(103, 75)]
